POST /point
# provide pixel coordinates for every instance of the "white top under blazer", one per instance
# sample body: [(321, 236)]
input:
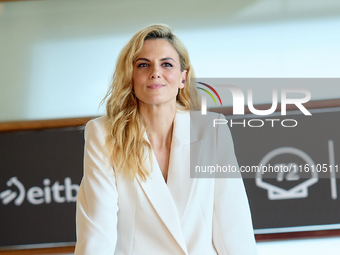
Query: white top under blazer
[(196, 216)]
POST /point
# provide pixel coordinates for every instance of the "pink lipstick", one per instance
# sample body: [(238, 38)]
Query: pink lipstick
[(155, 86)]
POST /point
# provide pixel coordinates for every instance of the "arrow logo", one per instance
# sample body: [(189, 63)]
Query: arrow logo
[(8, 195)]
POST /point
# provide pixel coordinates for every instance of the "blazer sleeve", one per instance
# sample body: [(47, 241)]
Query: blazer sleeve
[(97, 202), (232, 225)]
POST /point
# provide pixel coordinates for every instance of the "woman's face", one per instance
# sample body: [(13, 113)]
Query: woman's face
[(157, 73)]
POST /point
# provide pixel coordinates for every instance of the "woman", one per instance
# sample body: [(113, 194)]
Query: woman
[(136, 196)]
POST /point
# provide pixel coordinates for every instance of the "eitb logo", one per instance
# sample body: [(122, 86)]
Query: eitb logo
[(36, 195)]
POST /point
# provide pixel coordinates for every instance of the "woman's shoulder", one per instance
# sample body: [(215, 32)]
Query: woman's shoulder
[(98, 122), (96, 127), (203, 127), (206, 121)]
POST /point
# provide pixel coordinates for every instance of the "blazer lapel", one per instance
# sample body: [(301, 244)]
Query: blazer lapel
[(171, 200), (180, 185), (159, 196)]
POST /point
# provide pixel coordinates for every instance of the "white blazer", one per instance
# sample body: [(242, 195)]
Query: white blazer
[(183, 216)]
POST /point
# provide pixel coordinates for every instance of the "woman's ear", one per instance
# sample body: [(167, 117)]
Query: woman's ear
[(184, 79)]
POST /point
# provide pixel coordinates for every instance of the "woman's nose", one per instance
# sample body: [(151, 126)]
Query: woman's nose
[(155, 73)]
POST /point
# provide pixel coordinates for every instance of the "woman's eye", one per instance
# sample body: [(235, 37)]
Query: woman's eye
[(167, 65), (142, 65)]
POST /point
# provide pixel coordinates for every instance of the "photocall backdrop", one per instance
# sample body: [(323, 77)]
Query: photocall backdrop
[(41, 171), (305, 198), (40, 175)]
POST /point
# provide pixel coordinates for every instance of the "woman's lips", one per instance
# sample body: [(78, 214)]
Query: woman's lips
[(155, 86)]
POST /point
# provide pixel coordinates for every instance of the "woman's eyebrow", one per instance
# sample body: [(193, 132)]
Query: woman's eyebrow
[(143, 59), (163, 59)]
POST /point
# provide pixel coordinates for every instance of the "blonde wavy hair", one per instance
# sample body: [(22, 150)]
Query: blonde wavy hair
[(125, 141)]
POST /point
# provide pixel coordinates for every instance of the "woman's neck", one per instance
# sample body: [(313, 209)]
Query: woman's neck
[(159, 123)]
